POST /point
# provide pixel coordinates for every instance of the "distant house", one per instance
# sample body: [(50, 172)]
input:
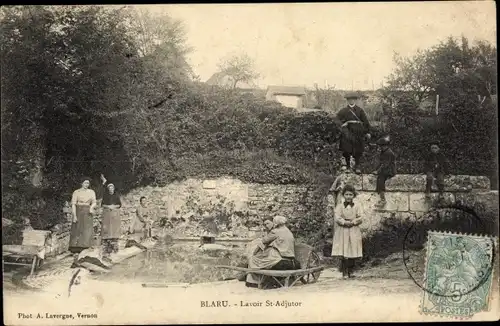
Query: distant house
[(289, 96)]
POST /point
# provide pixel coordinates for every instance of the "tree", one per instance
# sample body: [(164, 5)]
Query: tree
[(328, 99), (450, 69), (161, 38), (412, 76), (67, 74), (464, 76), (238, 69)]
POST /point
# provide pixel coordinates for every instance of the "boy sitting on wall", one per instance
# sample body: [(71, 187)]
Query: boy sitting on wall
[(386, 167), (435, 167)]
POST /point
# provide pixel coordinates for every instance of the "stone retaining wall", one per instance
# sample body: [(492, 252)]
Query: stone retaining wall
[(406, 198), (187, 198)]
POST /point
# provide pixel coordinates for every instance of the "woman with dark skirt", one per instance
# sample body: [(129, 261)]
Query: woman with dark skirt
[(83, 203), (275, 251), (111, 220)]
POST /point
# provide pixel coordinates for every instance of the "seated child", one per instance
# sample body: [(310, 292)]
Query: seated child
[(386, 167), (140, 228), (435, 167)]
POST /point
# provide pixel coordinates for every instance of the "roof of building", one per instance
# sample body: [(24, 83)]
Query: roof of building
[(215, 79), (287, 90)]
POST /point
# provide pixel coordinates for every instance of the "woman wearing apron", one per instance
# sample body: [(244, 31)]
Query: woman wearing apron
[(111, 220), (83, 203), (274, 251)]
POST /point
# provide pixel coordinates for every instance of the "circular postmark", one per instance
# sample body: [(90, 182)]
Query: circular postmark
[(456, 264)]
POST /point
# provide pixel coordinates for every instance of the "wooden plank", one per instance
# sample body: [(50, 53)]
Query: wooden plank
[(236, 268), (278, 273), (35, 237), (216, 239), (295, 281), (95, 268), (33, 266), (21, 249), (298, 272), (165, 285), (131, 251), (20, 264)]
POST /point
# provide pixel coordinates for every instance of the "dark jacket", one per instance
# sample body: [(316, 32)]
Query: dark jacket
[(110, 199), (358, 114), (387, 163), (352, 136), (436, 163)]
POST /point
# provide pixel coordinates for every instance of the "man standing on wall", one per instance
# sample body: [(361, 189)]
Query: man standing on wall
[(354, 127)]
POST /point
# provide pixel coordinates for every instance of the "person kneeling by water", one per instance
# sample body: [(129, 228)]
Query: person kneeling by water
[(140, 228), (275, 251)]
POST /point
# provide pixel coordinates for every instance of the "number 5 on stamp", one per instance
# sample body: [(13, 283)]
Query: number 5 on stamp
[(458, 274)]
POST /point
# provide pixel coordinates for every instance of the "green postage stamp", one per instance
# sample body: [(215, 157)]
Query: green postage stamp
[(458, 274)]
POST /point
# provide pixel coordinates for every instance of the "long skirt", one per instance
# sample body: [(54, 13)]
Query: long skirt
[(282, 264), (347, 242), (82, 232), (260, 259), (111, 224)]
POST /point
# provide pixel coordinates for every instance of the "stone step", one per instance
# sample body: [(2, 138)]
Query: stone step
[(412, 206), (417, 182)]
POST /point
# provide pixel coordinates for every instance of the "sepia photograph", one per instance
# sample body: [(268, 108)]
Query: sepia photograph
[(249, 163)]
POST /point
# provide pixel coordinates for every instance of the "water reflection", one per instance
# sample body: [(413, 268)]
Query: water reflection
[(182, 262)]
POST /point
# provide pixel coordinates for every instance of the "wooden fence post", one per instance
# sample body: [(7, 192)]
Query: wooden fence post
[(437, 104)]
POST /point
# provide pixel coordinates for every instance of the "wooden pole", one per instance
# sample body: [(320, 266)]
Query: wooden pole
[(437, 104)]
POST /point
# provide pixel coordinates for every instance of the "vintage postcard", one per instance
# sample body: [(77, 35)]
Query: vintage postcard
[(249, 163), (459, 276)]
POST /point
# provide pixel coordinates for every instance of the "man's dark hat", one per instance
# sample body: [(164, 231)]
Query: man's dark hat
[(353, 95)]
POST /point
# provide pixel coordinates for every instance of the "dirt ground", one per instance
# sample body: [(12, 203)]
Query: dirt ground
[(384, 292), (332, 299)]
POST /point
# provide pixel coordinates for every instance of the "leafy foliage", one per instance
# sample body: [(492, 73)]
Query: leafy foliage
[(447, 68), (68, 74), (328, 99), (91, 90), (239, 68), (464, 77)]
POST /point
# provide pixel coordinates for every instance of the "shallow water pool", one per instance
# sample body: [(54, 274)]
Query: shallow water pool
[(177, 263)]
